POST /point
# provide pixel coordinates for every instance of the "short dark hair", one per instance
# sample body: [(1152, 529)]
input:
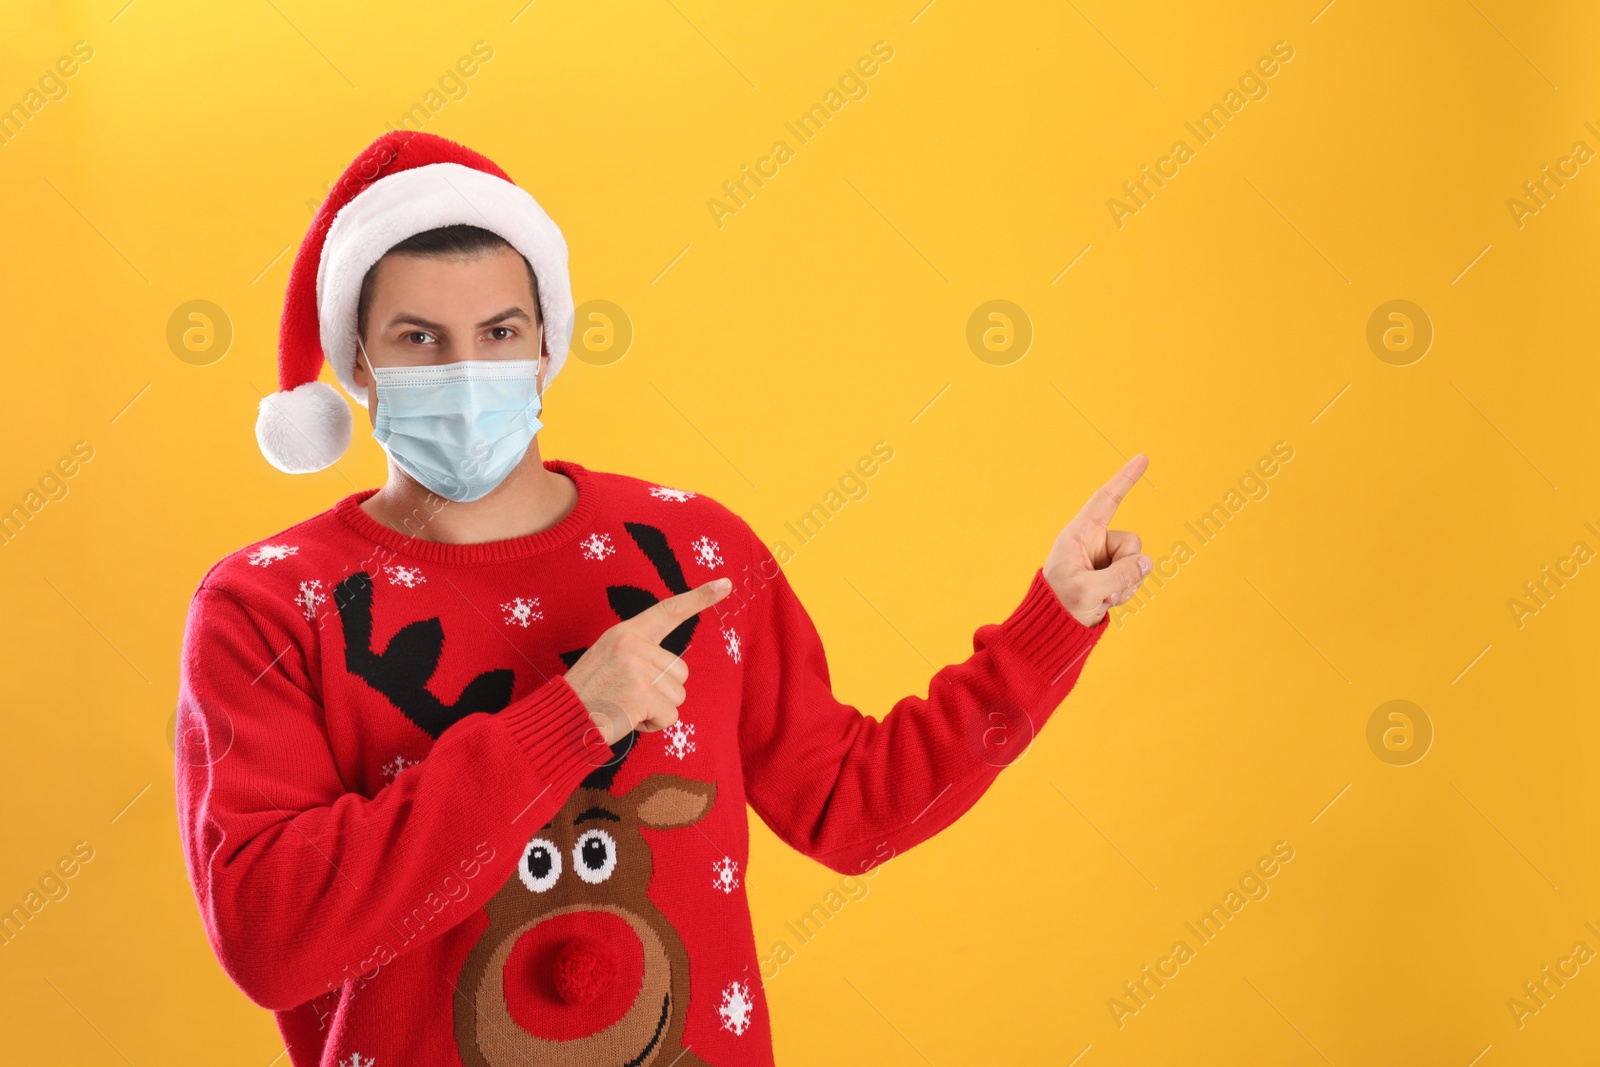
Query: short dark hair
[(467, 242)]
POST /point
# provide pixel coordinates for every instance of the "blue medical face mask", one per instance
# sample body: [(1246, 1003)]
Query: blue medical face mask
[(458, 428)]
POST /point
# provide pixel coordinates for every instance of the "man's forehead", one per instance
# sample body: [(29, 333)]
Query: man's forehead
[(413, 281)]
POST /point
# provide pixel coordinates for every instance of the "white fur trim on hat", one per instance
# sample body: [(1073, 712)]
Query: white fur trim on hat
[(303, 429), (409, 202)]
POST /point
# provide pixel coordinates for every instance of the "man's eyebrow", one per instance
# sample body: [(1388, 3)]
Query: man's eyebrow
[(407, 318), (414, 320), (508, 313)]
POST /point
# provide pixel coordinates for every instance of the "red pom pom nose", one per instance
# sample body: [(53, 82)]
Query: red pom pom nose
[(574, 975), (584, 969)]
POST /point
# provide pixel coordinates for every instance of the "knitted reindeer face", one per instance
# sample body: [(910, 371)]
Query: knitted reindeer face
[(577, 967)]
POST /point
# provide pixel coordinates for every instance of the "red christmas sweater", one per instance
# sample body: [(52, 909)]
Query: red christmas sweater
[(406, 840)]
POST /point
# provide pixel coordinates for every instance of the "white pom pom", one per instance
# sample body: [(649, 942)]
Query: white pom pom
[(304, 429)]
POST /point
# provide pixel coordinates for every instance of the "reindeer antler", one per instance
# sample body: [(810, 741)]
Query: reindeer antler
[(402, 670), (629, 600)]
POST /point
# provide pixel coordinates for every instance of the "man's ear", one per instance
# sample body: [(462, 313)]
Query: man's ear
[(544, 362), (359, 372)]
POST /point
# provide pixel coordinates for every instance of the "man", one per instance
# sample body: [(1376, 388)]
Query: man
[(448, 794)]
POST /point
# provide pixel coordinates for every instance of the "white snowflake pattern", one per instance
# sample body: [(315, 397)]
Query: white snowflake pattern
[(677, 496), (393, 768), (707, 552), (310, 598), (521, 611), (356, 1059), (725, 874), (735, 650), (679, 738), (736, 1007), (410, 577), (596, 546), (267, 555)]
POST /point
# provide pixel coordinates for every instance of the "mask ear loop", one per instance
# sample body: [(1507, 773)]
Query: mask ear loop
[(544, 361), (371, 370)]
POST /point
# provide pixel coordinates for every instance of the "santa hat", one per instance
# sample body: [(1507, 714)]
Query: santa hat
[(402, 184)]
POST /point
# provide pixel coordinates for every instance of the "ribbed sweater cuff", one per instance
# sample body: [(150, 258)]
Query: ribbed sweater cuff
[(1046, 633), (554, 730)]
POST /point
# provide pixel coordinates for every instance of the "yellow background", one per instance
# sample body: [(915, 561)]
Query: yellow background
[(1225, 316)]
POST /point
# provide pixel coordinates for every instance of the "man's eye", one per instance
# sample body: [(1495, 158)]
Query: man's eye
[(413, 335), (501, 333)]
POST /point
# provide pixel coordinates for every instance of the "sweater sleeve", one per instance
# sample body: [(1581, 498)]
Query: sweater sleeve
[(852, 791), (301, 884)]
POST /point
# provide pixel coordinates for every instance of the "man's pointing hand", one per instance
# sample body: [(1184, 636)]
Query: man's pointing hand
[(626, 680), (1091, 567)]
